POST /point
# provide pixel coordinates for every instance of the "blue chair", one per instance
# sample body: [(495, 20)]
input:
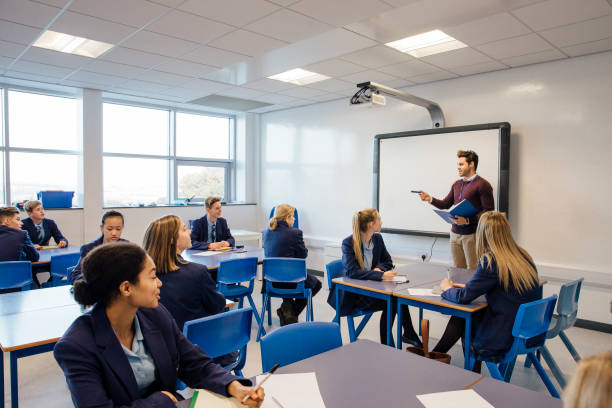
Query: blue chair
[(231, 274), (567, 312), (288, 270), (334, 270), (296, 223), (222, 334), (298, 341), (532, 320), (61, 266), (16, 275)]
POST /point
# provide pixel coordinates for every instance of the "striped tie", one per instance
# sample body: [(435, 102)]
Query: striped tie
[(41, 232), (213, 233)]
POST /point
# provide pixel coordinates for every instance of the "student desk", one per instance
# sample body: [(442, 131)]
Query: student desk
[(46, 254), (505, 395), (212, 262)]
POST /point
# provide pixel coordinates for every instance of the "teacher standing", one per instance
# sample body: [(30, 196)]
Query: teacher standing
[(479, 193)]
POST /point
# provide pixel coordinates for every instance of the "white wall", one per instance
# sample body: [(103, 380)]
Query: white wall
[(319, 159)]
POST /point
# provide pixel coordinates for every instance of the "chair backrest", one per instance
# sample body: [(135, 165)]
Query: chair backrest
[(237, 270), (567, 305), (61, 263), (296, 223), (284, 269), (532, 320), (222, 333), (298, 341), (334, 270), (15, 274)]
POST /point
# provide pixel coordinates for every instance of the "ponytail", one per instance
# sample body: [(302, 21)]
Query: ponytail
[(281, 213), (361, 219), (83, 293)]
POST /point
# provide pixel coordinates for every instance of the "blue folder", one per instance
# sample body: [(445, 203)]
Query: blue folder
[(464, 209)]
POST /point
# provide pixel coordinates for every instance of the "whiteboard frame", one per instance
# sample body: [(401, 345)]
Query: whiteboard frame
[(503, 171)]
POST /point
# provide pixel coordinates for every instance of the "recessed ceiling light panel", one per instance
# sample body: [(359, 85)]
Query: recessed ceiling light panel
[(71, 44), (299, 76), (429, 43)]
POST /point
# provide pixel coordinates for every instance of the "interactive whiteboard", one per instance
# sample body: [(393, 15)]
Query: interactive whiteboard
[(427, 160)]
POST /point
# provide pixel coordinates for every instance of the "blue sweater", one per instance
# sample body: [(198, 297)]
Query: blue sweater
[(15, 245), (493, 328)]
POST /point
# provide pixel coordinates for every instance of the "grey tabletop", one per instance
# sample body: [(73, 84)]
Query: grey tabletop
[(502, 395), (419, 273), (46, 254), (476, 304), (31, 300), (212, 262), (384, 287)]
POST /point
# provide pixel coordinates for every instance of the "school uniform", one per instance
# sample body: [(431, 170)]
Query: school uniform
[(288, 242), (352, 302), (199, 233), (76, 273), (42, 237), (99, 374), (15, 245)]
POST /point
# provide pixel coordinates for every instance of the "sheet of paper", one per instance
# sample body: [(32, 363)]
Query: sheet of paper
[(421, 292), (454, 399), (208, 399), (206, 253), (292, 391), (400, 279)]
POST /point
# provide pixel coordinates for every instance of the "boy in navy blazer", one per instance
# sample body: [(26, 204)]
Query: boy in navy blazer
[(15, 244), (39, 228), (211, 231)]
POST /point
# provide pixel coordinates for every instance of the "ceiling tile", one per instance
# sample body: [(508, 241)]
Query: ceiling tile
[(301, 92), (186, 68), (332, 85), (247, 43), (5, 62), (326, 97), (275, 98), (169, 3), (135, 13), (235, 12), (588, 48), (432, 76), (534, 58), (369, 75), (268, 85), (60, 59), (409, 68), (512, 47), (240, 92), (93, 77), (159, 44), (213, 56), (113, 69), (183, 93), (478, 68), (376, 57), (335, 68), (587, 31), (554, 13), (27, 12), (205, 87), (284, 3), (32, 77), (91, 27), (35, 68), (287, 25), (55, 3), (142, 86), (163, 78), (136, 58), (491, 28), (88, 85), (17, 33), (340, 12), (189, 27), (399, 83), (9, 49), (457, 58)]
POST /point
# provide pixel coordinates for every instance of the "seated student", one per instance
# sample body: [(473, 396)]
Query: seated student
[(128, 350), (591, 385), (15, 244), (41, 229), (364, 256), (211, 231), (111, 227), (506, 275), (282, 240)]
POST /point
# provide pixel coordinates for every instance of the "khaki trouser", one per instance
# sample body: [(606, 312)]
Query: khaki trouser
[(463, 249)]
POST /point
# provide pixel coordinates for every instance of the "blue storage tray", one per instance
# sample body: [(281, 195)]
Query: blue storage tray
[(56, 199)]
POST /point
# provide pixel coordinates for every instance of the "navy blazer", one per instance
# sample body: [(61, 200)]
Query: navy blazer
[(190, 293), (76, 273), (284, 241), (492, 328), (15, 245), (380, 259), (50, 230), (199, 233), (98, 372)]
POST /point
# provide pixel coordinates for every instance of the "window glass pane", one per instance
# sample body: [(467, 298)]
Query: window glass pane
[(200, 181), (33, 172), (202, 136), (129, 181), (2, 178), (130, 129), (42, 121)]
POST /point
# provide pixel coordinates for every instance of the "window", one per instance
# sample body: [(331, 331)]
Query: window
[(41, 149), (156, 156)]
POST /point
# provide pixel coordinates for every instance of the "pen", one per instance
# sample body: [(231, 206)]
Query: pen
[(416, 191), (262, 381)]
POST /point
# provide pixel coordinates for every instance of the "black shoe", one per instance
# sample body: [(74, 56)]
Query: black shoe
[(414, 341), (281, 317), (288, 312)]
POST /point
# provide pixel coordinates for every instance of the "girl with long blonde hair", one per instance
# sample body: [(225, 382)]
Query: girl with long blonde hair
[(591, 385), (506, 275), (364, 256)]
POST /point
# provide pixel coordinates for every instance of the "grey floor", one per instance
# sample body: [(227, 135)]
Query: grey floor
[(41, 382)]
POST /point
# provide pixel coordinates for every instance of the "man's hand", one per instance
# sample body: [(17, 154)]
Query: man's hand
[(446, 284), (239, 391), (459, 220), (37, 247), (215, 245), (389, 275), (62, 244), (424, 196), (224, 244)]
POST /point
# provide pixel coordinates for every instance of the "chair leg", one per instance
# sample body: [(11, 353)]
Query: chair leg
[(362, 324), (309, 308), (269, 307), (494, 371), (509, 369), (569, 346), (351, 328), (240, 302), (261, 329), (554, 368), (255, 314), (549, 385)]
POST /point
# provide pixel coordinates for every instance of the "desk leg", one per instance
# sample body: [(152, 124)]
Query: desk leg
[(390, 323), (14, 381), (467, 342), (1, 378), (400, 317), (337, 318)]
